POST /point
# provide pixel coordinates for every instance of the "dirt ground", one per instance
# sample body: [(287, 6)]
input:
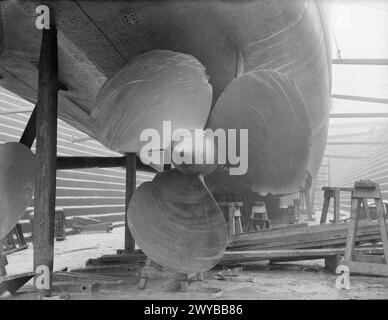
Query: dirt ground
[(301, 280)]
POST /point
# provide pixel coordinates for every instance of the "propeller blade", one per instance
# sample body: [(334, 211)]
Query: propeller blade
[(271, 107), (177, 222), (156, 86), (17, 164)]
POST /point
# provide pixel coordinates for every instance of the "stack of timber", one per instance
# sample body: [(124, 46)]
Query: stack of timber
[(305, 237), (112, 259), (117, 265)]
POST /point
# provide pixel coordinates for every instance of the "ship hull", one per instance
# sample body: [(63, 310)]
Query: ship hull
[(230, 38)]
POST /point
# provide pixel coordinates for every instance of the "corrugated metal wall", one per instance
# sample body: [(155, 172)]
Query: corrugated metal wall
[(372, 165)]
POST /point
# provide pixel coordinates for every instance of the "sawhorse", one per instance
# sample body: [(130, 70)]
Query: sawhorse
[(334, 192), (259, 218), (366, 264), (234, 215)]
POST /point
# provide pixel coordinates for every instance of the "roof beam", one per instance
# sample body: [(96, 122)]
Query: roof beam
[(366, 62), (357, 125), (363, 99), (348, 135), (357, 115)]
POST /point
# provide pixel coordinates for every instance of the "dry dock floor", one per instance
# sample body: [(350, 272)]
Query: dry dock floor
[(299, 280)]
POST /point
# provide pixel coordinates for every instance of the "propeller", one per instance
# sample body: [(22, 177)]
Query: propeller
[(177, 222), (174, 219), (17, 163)]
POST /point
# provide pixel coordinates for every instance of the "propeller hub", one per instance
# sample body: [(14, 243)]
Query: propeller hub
[(194, 152)]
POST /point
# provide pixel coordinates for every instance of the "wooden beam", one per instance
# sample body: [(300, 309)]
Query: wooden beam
[(237, 257), (368, 268), (313, 236), (46, 149), (359, 124), (29, 133), (366, 62), (363, 99), (357, 115), (67, 163), (3, 262), (130, 187), (368, 258)]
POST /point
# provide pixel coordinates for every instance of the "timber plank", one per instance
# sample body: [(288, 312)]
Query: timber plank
[(269, 254), (308, 237)]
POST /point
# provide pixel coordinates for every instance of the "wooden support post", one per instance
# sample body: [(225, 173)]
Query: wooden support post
[(3, 262), (237, 222), (234, 215), (297, 209), (130, 187), (143, 277), (232, 226), (184, 284), (352, 229), (46, 149), (336, 206), (308, 203), (383, 226), (325, 208)]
